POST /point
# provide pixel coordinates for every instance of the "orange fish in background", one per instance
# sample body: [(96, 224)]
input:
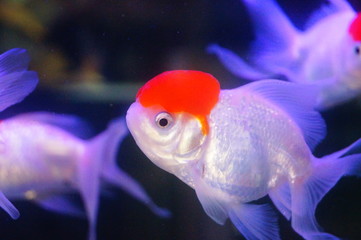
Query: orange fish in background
[(239, 145)]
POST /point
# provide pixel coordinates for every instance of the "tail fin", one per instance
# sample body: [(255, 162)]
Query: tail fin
[(112, 174), (274, 49), (275, 46), (307, 193), (99, 162), (272, 27)]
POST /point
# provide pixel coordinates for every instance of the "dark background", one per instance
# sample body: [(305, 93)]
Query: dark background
[(83, 49)]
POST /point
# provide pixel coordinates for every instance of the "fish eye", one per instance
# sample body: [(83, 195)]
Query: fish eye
[(163, 120), (357, 50)]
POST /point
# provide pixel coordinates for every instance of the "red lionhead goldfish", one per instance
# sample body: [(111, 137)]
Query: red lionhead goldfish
[(236, 146)]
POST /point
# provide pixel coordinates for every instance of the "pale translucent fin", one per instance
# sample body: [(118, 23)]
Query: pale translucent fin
[(14, 60), (210, 199), (69, 123), (298, 101), (60, 204), (88, 183), (281, 197), (14, 87), (235, 64), (111, 173), (255, 222), (15, 82), (100, 158), (8, 207), (307, 194), (88, 180), (274, 31), (212, 206), (122, 180)]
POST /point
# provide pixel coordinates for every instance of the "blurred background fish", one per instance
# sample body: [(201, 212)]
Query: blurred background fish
[(325, 53), (40, 162), (92, 56)]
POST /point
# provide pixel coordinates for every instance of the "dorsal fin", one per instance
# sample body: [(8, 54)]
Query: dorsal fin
[(193, 92), (298, 101), (324, 11)]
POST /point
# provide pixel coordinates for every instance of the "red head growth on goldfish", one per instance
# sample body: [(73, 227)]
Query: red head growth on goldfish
[(355, 28), (178, 91)]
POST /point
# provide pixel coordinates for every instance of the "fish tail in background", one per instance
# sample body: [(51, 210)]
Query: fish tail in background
[(111, 173), (91, 168), (15, 81), (276, 41), (235, 64), (88, 175), (99, 163), (8, 207), (307, 193)]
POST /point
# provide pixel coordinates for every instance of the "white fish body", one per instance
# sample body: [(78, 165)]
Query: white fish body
[(324, 54), (36, 157), (40, 161)]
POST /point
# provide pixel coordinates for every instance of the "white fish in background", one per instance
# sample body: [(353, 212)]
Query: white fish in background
[(16, 82), (236, 146), (327, 53), (41, 161)]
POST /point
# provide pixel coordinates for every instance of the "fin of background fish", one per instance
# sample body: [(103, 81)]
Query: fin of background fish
[(15, 81), (299, 105), (8, 207), (235, 64), (88, 180), (273, 30), (115, 176), (14, 60), (60, 204), (273, 47), (92, 168)]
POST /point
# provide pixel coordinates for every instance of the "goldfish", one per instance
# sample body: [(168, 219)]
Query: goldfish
[(42, 161), (235, 146), (325, 54)]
